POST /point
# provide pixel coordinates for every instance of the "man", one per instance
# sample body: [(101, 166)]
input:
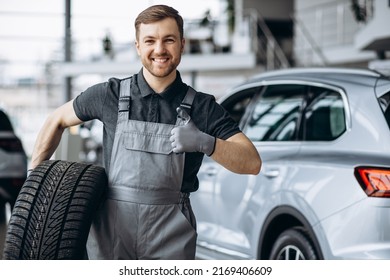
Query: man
[(156, 131)]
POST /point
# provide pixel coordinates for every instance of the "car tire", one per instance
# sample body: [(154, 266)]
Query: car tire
[(53, 213), (293, 244)]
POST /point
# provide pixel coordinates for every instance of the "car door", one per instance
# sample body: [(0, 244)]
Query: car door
[(204, 200), (272, 124), (324, 156)]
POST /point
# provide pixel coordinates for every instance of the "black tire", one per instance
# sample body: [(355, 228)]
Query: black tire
[(54, 211), (293, 244)]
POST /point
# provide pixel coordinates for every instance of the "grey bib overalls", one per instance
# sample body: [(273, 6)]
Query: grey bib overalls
[(145, 215)]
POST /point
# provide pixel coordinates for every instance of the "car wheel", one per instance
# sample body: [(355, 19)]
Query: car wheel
[(54, 211), (293, 244)]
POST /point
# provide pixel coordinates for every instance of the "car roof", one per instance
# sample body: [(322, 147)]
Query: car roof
[(333, 76), (321, 74), (321, 70)]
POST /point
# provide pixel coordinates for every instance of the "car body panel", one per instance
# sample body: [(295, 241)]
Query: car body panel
[(12, 164), (366, 237)]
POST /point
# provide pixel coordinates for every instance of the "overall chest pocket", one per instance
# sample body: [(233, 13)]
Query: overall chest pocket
[(148, 142), (150, 154)]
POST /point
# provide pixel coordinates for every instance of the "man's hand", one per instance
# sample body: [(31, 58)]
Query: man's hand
[(188, 138)]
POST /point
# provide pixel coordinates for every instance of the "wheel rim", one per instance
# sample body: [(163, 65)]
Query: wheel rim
[(290, 252)]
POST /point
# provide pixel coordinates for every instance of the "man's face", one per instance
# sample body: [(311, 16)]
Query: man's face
[(160, 47)]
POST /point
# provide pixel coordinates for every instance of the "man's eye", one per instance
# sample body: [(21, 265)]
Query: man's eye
[(149, 42)]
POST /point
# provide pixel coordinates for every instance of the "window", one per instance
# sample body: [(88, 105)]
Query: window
[(275, 116), (324, 118), (238, 102), (384, 102)]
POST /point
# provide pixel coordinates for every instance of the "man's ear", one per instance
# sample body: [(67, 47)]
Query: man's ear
[(137, 47), (183, 43)]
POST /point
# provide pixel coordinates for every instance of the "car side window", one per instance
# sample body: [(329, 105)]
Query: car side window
[(384, 102), (238, 102), (275, 116), (324, 118)]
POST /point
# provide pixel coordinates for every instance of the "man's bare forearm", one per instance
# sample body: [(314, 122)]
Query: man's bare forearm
[(238, 155), (50, 134), (47, 142)]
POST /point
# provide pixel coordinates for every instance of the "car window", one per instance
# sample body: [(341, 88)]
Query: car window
[(275, 116), (384, 102), (324, 118), (237, 103), (5, 124)]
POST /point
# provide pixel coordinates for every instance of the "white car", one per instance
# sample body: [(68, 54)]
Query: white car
[(13, 164), (324, 188)]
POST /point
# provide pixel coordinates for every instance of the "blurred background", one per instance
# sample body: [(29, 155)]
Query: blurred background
[(51, 50)]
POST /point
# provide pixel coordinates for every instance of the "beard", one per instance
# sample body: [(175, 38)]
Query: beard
[(160, 71)]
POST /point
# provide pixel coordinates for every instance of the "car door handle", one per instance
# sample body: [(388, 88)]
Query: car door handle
[(271, 173)]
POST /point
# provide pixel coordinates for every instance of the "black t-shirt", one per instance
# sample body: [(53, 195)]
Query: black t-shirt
[(101, 102)]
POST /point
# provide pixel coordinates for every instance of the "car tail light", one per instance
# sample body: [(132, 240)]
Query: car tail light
[(374, 181), (11, 145)]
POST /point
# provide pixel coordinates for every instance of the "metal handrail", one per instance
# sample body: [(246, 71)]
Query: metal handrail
[(273, 49), (313, 44)]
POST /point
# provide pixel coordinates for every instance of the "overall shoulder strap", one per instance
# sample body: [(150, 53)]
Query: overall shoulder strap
[(124, 95), (188, 99)]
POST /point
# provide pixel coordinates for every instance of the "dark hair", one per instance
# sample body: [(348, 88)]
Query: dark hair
[(156, 13)]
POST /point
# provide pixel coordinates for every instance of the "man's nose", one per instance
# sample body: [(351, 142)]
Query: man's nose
[(160, 47)]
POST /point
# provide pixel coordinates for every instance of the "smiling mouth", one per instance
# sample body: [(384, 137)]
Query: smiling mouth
[(160, 60)]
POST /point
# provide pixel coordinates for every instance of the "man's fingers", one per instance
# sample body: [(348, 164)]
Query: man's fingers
[(176, 147)]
